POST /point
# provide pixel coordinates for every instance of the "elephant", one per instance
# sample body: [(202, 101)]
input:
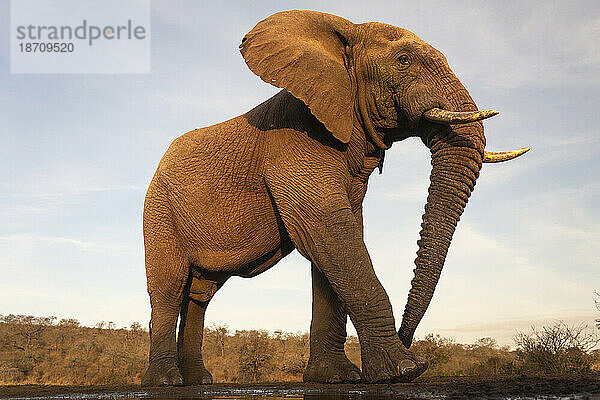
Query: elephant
[(234, 198)]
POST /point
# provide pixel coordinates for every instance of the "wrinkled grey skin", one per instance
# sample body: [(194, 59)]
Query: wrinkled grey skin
[(234, 198)]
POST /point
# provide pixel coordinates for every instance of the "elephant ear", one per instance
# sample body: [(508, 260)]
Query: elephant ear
[(304, 53)]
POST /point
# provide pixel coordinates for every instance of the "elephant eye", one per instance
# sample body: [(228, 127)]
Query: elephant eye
[(404, 60)]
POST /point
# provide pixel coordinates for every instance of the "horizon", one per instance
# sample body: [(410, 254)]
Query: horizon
[(80, 151), (51, 320)]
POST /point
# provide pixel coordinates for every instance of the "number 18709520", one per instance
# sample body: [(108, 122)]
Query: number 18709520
[(41, 47)]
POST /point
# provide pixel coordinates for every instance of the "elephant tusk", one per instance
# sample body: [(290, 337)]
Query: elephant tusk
[(494, 157), (438, 115)]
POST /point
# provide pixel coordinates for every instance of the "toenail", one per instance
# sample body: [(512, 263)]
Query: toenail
[(406, 366), (354, 376)]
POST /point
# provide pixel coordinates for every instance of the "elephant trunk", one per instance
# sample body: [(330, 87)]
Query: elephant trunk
[(456, 157)]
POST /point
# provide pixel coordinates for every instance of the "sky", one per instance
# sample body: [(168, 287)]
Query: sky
[(78, 151)]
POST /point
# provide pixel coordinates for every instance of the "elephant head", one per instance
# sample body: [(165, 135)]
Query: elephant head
[(386, 84)]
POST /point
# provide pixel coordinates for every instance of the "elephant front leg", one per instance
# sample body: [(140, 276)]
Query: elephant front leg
[(325, 231), (345, 262), (328, 362)]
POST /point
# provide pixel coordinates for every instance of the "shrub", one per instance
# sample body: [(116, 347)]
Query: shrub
[(556, 349)]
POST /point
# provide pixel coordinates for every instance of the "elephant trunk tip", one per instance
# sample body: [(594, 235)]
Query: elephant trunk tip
[(406, 336)]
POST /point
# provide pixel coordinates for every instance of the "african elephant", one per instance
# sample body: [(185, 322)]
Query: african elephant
[(234, 198)]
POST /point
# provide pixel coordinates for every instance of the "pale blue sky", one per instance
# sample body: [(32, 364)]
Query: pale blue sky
[(79, 150)]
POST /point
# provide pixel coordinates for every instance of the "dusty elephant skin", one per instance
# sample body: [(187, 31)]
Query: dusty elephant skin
[(236, 197)]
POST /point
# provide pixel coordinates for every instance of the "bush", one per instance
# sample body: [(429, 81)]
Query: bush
[(255, 355), (556, 349), (37, 350), (435, 349)]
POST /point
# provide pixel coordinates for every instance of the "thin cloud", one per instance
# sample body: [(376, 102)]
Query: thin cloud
[(71, 191), (34, 240)]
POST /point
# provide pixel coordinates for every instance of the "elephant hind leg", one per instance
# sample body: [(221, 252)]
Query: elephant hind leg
[(167, 270), (198, 293)]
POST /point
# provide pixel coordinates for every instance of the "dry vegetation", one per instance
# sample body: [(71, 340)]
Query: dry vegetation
[(44, 351)]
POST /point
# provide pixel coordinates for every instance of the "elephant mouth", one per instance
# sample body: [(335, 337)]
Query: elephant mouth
[(445, 117)]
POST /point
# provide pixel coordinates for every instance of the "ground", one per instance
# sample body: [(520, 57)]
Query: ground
[(576, 387)]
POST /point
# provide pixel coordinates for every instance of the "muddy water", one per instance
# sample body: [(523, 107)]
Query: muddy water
[(547, 388), (281, 396), (262, 395)]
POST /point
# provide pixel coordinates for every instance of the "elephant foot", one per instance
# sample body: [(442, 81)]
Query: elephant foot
[(162, 373), (197, 376), (331, 369), (391, 364)]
